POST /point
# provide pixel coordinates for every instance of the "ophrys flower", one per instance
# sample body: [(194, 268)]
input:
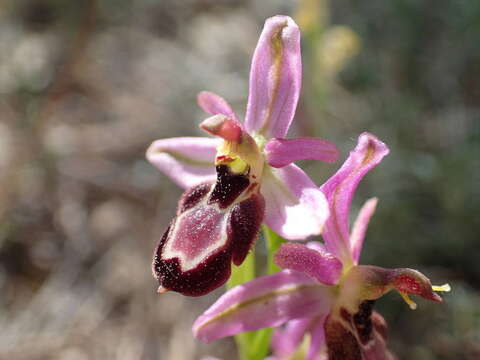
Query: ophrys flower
[(243, 178)]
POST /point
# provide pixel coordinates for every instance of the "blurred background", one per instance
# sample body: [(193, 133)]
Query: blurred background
[(86, 86)]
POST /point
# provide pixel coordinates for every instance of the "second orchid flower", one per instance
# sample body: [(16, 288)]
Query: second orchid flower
[(323, 292)]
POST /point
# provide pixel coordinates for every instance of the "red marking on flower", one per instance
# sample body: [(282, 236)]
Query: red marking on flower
[(407, 284), (345, 315), (252, 186), (414, 282), (224, 158), (230, 131), (222, 126)]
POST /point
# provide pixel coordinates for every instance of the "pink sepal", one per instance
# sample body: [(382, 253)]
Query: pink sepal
[(275, 78), (188, 161), (281, 152), (264, 302)]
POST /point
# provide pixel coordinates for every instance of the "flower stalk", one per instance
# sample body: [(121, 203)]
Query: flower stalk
[(254, 345)]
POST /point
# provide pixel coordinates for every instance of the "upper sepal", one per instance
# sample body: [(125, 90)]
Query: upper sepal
[(275, 78)]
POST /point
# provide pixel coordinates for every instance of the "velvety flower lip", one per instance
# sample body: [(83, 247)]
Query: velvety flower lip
[(345, 324), (243, 177), (195, 253)]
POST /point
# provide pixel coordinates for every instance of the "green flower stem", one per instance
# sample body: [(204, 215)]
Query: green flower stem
[(240, 275), (274, 241), (254, 345), (243, 273)]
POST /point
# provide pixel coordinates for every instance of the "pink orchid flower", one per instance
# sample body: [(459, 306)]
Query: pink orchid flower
[(244, 177), (323, 293)]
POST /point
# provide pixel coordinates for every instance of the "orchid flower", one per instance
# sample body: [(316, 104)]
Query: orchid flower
[(322, 292), (218, 220)]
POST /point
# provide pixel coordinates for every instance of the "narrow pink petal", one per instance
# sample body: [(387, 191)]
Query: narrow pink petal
[(340, 188), (264, 302), (188, 161), (360, 228), (281, 152), (286, 341), (214, 104), (317, 339), (275, 78), (320, 265), (295, 207)]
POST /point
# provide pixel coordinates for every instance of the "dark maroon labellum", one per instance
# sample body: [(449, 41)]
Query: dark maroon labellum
[(341, 342), (215, 225), (358, 336), (228, 187)]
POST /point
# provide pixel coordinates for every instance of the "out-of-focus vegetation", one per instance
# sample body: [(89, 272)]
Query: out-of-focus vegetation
[(85, 86)]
